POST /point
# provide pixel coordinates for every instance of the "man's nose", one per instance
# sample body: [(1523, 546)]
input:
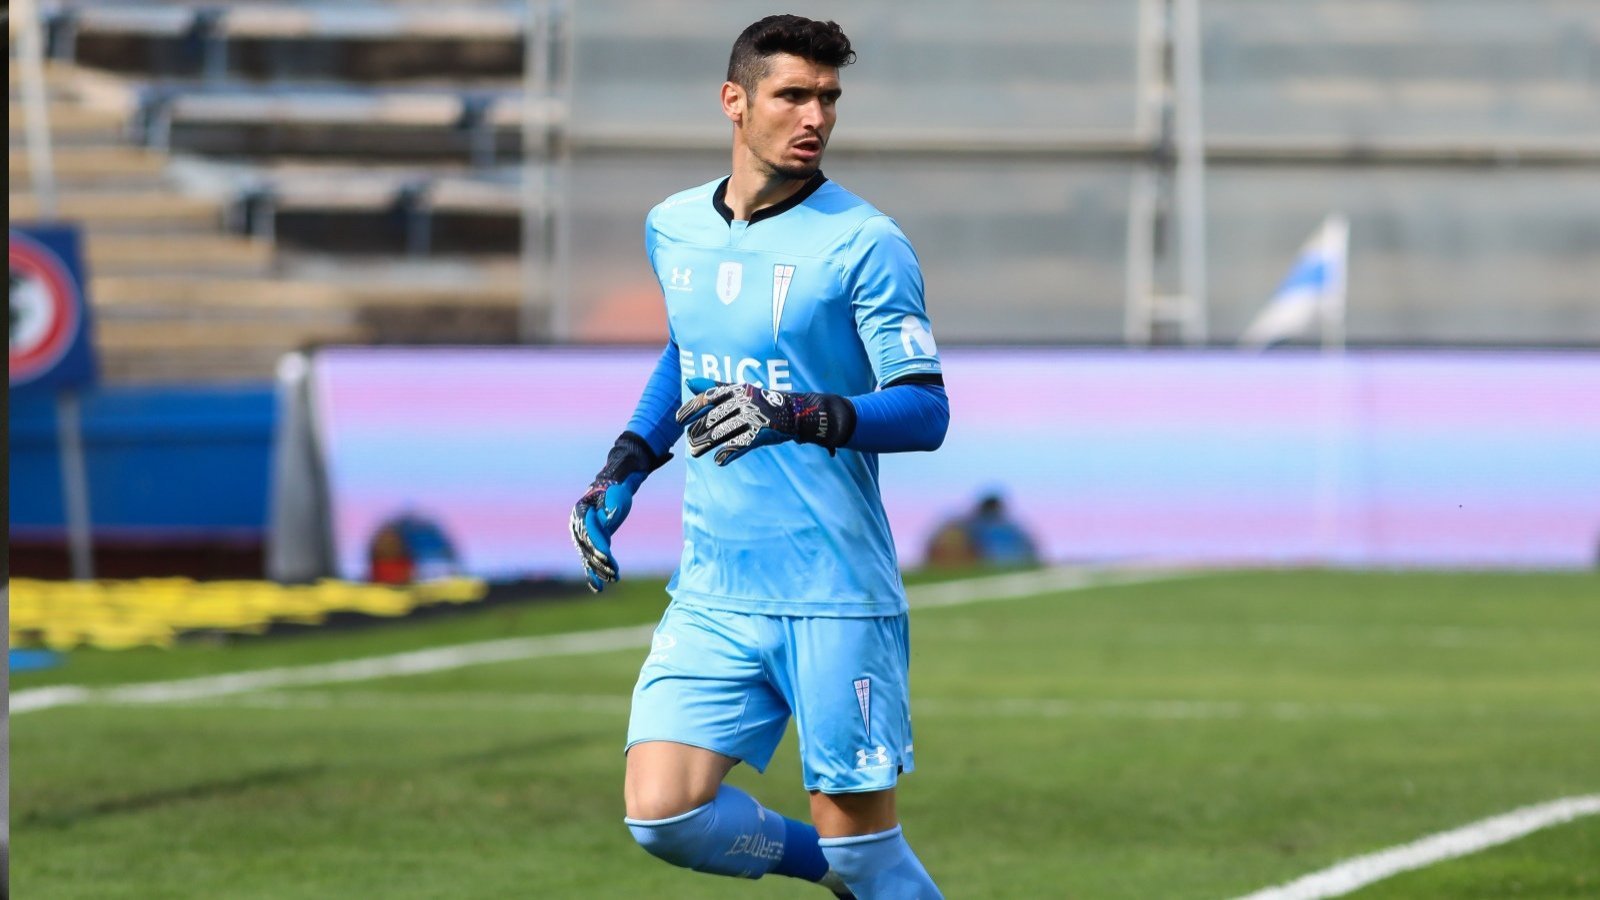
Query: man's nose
[(811, 115)]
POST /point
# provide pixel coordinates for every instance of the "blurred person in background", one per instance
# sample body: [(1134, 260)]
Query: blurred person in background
[(411, 547), (987, 535), (797, 331)]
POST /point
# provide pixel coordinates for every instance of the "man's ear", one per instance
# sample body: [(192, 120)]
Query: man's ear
[(733, 101)]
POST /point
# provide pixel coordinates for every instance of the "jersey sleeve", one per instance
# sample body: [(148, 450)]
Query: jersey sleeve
[(650, 239), (884, 281)]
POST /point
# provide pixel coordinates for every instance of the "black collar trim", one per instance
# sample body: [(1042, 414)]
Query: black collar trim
[(720, 201)]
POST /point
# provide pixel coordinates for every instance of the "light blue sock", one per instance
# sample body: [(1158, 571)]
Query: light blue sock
[(880, 867), (733, 835)]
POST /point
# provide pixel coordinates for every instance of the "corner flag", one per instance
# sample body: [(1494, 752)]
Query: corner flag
[(1313, 292)]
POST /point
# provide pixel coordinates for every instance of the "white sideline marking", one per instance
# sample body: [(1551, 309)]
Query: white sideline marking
[(990, 707), (1341, 879), (950, 593)]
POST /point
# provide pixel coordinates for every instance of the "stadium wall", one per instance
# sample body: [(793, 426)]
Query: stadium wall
[(178, 480)]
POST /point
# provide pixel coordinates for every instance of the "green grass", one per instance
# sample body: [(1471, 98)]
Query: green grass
[(1198, 738)]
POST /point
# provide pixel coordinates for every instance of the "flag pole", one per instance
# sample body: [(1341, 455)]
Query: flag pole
[(1335, 245), (1333, 242)]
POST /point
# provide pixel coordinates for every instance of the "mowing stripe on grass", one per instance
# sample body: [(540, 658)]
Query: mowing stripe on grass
[(1341, 879), (950, 593)]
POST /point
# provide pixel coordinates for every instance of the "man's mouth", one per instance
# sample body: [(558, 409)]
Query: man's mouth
[(808, 147)]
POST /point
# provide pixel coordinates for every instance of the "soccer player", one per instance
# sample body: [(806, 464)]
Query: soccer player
[(799, 350)]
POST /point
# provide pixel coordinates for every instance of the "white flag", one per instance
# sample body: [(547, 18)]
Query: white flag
[(1313, 292)]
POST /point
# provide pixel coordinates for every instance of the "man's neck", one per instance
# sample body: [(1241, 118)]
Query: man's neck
[(750, 191)]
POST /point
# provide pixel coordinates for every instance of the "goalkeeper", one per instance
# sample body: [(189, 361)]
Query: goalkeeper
[(799, 350)]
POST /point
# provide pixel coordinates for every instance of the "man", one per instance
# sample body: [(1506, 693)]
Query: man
[(799, 338)]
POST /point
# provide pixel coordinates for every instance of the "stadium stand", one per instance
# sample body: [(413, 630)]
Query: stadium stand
[(381, 131), (184, 291)]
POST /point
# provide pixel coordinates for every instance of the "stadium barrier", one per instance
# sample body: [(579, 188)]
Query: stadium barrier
[(1372, 458)]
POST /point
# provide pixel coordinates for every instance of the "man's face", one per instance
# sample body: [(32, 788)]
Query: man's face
[(786, 120)]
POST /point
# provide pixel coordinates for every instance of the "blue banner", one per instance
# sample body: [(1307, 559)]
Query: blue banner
[(51, 337)]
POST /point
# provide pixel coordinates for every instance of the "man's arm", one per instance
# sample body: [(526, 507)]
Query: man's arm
[(906, 416), (653, 418), (734, 419), (638, 451)]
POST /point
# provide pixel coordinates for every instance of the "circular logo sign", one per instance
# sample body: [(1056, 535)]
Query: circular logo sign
[(44, 309)]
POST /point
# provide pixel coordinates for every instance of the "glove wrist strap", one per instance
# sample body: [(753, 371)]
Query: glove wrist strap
[(826, 419), (630, 460)]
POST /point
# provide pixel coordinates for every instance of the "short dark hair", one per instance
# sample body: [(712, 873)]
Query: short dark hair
[(819, 42)]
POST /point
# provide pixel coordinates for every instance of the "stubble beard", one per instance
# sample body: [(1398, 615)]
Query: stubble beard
[(795, 171), (799, 171)]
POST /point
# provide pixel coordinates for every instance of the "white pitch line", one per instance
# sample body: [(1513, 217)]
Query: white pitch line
[(951, 593), (414, 663), (1352, 874), (992, 707)]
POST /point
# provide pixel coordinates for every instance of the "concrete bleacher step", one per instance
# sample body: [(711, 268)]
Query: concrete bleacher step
[(216, 297), (142, 211), (191, 365), (158, 329), (70, 123), (95, 165), (123, 254), (180, 336), (60, 77), (135, 296)]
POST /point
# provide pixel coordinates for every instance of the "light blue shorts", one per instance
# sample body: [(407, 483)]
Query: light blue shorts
[(729, 681)]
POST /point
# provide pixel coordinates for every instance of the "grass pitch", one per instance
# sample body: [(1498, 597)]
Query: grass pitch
[(1197, 738)]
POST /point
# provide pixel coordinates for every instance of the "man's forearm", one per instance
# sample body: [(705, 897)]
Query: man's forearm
[(654, 419), (900, 418)]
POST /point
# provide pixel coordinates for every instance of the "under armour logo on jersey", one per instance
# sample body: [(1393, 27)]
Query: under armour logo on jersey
[(864, 700), (781, 276), (914, 332), (680, 279), (730, 277)]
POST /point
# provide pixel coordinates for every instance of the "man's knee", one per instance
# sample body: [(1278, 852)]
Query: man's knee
[(666, 780), (680, 839), (657, 792)]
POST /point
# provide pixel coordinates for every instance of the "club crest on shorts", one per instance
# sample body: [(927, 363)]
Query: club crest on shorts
[(864, 700)]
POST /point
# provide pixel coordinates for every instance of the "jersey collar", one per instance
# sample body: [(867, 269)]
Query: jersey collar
[(719, 200)]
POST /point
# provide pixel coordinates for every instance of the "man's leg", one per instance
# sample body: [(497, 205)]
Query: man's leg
[(862, 841), (680, 811), (846, 680)]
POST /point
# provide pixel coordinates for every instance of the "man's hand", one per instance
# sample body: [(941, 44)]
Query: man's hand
[(601, 510), (737, 418), (595, 518)]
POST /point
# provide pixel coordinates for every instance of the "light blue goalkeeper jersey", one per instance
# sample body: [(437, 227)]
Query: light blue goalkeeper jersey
[(819, 293)]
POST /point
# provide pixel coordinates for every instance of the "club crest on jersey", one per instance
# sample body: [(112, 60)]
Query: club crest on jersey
[(781, 276), (730, 277)]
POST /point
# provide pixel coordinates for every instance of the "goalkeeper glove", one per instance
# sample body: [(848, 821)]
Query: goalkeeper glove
[(602, 508), (737, 418)]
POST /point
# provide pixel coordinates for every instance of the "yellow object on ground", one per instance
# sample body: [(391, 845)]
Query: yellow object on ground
[(153, 612)]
